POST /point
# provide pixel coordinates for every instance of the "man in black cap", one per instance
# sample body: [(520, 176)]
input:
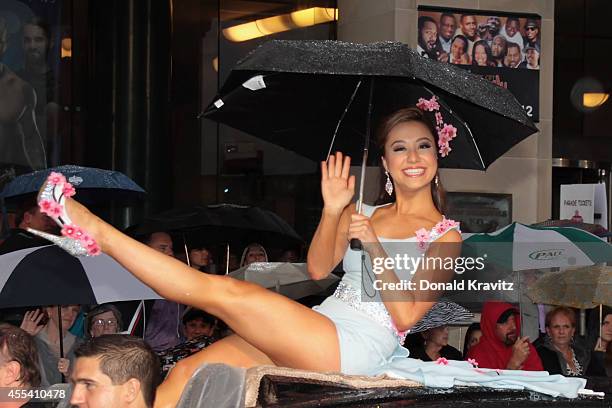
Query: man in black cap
[(532, 35)]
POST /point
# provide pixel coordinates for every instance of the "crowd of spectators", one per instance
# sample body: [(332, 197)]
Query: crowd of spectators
[(496, 343), (94, 347)]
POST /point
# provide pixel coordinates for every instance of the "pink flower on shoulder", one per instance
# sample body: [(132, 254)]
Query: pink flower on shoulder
[(472, 361), (440, 227), (56, 178), (442, 361), (400, 333), (68, 190), (423, 237)]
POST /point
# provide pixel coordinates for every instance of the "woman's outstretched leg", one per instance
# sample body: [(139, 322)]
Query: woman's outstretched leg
[(286, 332)]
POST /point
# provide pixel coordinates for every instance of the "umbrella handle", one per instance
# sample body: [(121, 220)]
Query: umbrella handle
[(61, 337)]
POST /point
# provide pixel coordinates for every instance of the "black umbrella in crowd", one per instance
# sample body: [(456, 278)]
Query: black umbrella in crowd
[(237, 225), (48, 275), (223, 223), (93, 185)]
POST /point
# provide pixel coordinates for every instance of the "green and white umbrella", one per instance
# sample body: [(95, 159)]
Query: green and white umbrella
[(518, 247)]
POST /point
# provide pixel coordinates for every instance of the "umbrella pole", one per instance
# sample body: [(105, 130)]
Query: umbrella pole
[(61, 336), (600, 320), (227, 255), (520, 291), (355, 243), (186, 251)]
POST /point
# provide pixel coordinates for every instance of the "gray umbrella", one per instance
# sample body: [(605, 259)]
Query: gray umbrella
[(289, 279)]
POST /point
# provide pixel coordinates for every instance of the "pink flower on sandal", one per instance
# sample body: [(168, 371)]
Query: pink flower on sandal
[(54, 210), (69, 231), (68, 190), (45, 206), (56, 178)]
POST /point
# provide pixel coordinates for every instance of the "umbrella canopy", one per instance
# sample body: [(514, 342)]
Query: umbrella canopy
[(48, 275), (443, 313), (294, 94), (289, 279), (518, 247), (91, 182), (224, 223), (594, 229), (582, 288)]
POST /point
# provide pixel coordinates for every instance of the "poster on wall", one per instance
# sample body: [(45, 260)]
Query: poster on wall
[(504, 48), (29, 65), (584, 203)]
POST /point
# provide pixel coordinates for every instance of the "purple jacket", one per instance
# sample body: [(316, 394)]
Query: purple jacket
[(164, 325)]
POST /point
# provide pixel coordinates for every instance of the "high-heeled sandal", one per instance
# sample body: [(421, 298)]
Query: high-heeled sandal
[(52, 202)]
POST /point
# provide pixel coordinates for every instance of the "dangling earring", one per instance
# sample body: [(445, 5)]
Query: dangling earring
[(436, 180), (388, 184)]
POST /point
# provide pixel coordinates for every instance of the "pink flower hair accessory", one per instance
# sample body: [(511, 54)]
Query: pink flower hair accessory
[(473, 362), (446, 132)]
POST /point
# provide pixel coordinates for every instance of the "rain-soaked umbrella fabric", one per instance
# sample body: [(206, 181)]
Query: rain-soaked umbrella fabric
[(91, 184), (293, 94), (582, 288)]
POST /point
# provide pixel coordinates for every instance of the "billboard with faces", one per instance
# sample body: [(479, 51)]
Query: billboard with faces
[(502, 47)]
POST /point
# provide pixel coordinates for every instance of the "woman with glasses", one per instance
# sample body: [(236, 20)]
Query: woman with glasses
[(104, 319)]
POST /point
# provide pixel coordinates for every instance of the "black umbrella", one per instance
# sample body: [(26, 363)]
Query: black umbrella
[(312, 96), (223, 224), (301, 94), (48, 275)]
